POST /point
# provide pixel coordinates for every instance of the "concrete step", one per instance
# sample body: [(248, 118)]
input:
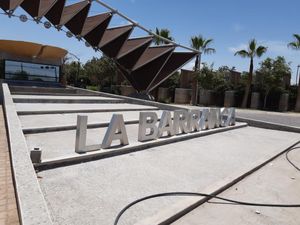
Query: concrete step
[(40, 90), (48, 108), (27, 83), (32, 124), (64, 99), (54, 94)]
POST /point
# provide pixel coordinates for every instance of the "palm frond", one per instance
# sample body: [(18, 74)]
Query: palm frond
[(261, 50), (207, 42), (209, 51), (202, 44), (294, 45), (243, 53), (297, 37), (252, 45)]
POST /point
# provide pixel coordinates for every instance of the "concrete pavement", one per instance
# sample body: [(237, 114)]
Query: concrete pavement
[(276, 183), (108, 185), (288, 119)]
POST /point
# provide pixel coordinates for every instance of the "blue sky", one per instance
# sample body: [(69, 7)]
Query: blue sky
[(231, 23)]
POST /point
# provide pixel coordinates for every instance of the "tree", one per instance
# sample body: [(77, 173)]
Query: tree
[(296, 46), (165, 33), (253, 51), (202, 45), (100, 70), (72, 70), (271, 74)]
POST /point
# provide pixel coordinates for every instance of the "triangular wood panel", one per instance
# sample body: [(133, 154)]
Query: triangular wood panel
[(151, 54), (55, 13), (92, 22), (112, 48), (37, 8), (175, 62), (75, 25), (132, 44), (113, 33), (7, 5), (94, 36), (128, 77), (71, 11), (145, 74), (130, 59)]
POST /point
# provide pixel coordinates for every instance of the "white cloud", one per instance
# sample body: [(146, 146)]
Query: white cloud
[(237, 48), (237, 27)]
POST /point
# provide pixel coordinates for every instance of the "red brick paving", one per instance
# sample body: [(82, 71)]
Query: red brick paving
[(8, 206)]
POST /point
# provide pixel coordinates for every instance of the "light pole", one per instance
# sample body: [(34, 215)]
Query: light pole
[(297, 74), (78, 66)]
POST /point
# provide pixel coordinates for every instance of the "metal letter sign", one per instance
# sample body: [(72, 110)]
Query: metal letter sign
[(180, 121), (148, 121), (193, 120), (165, 124), (116, 131), (183, 122)]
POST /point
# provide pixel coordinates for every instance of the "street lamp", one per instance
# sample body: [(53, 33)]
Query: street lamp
[(78, 66)]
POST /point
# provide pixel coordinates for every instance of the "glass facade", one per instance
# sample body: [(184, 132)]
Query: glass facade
[(15, 70)]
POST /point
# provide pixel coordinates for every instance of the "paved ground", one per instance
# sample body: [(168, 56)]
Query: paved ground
[(69, 119), (290, 119), (287, 118), (59, 107), (8, 207), (99, 189), (62, 97), (278, 182)]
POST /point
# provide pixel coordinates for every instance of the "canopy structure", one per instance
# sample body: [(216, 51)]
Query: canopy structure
[(31, 50), (143, 65)]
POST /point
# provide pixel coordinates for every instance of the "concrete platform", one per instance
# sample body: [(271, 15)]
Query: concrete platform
[(94, 192), (277, 183), (47, 108), (63, 99), (53, 146), (57, 122)]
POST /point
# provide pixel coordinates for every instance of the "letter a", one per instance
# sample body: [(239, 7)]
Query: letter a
[(165, 124), (116, 131)]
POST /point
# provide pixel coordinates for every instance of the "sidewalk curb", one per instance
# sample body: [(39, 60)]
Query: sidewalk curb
[(268, 125)]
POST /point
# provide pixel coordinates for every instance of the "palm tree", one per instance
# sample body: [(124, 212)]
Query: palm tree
[(296, 46), (253, 51), (165, 33), (202, 45)]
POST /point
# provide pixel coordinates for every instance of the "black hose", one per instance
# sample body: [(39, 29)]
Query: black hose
[(201, 195), (289, 160), (214, 196)]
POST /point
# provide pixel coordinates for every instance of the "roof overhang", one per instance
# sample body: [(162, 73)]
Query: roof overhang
[(34, 51)]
